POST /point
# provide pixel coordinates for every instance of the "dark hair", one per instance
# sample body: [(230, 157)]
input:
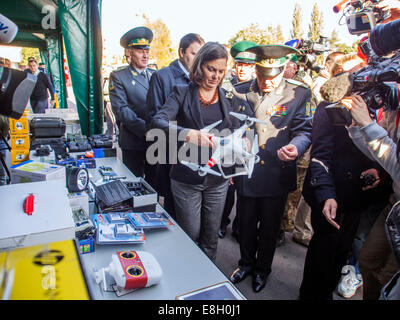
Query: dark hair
[(188, 39), (32, 59), (332, 57), (210, 51)]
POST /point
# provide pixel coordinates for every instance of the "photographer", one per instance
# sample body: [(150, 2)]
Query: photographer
[(334, 191), (381, 143), (377, 261)]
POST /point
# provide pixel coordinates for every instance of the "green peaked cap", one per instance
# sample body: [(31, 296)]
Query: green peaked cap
[(271, 59), (139, 37), (239, 53)]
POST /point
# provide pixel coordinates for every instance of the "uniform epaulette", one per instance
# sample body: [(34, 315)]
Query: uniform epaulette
[(297, 83), (122, 67), (239, 84)]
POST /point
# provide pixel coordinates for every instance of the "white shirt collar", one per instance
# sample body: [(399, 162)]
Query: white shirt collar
[(183, 68)]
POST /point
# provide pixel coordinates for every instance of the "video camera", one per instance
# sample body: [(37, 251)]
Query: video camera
[(377, 83), (15, 86), (361, 15), (309, 51)]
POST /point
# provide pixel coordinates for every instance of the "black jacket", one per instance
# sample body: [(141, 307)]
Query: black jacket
[(183, 106), (161, 84), (42, 84), (336, 165)]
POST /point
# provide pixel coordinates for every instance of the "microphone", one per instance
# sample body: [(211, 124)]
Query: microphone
[(338, 87), (8, 30), (338, 7)]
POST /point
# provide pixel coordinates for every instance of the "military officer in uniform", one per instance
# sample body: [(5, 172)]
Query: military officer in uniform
[(284, 105), (244, 69), (128, 90)]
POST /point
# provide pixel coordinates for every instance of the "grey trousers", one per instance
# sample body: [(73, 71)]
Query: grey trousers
[(199, 211)]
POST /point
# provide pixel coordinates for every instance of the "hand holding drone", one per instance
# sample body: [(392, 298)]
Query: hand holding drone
[(230, 150)]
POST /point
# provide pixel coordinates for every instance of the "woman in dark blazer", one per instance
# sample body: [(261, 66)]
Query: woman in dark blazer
[(199, 200)]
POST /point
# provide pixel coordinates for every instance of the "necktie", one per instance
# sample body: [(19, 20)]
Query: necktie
[(144, 74)]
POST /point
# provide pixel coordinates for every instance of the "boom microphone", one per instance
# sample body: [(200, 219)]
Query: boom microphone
[(338, 7), (336, 88), (8, 30)]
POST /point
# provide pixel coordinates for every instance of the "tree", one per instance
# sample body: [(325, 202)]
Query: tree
[(251, 33), (29, 52), (270, 35), (342, 47), (161, 50), (278, 35), (316, 24), (334, 40), (296, 32)]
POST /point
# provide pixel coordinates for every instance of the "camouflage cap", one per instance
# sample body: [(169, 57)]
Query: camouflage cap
[(271, 59), (239, 53), (139, 37)]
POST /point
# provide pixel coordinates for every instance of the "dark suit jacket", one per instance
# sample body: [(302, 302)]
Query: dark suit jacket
[(271, 176), (183, 106), (43, 84), (161, 85), (128, 91), (336, 165)]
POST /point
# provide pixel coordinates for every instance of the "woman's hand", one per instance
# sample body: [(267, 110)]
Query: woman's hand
[(199, 138), (329, 212), (358, 109)]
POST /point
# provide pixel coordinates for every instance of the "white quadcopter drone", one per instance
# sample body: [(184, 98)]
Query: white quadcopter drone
[(230, 150)]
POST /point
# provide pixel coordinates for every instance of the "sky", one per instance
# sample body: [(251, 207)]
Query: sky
[(214, 20)]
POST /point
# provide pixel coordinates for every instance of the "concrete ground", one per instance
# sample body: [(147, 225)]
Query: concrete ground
[(287, 270)]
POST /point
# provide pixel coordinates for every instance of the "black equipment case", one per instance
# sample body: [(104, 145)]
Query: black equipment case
[(47, 127)]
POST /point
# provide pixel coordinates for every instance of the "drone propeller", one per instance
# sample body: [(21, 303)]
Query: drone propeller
[(254, 158), (243, 117), (211, 126), (202, 170)]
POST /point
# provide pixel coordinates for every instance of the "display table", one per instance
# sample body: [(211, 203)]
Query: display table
[(185, 266)]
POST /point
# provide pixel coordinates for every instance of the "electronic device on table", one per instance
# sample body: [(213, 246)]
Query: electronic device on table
[(84, 227), (129, 270)]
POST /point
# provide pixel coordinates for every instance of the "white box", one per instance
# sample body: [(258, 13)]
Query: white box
[(51, 220), (33, 171), (80, 200)]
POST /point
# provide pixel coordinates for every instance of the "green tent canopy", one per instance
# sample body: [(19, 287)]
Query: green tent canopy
[(74, 26)]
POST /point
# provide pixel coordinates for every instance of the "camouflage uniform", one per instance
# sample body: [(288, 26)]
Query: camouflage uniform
[(294, 197)]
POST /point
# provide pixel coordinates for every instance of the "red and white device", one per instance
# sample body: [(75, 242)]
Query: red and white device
[(134, 269)]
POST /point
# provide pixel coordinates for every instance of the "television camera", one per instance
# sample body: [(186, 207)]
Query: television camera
[(377, 83), (309, 51), (15, 86), (361, 16)]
